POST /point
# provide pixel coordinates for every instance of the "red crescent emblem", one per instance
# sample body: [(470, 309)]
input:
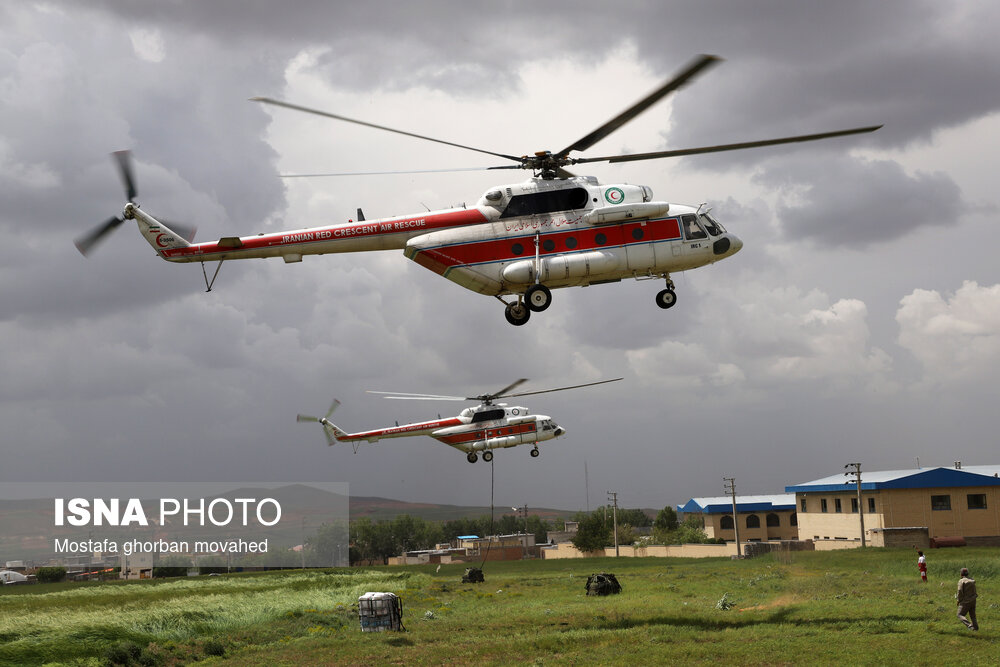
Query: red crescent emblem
[(159, 242)]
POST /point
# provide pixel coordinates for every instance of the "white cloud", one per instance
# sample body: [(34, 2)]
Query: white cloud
[(32, 176), (148, 45), (781, 338), (956, 340), (836, 348)]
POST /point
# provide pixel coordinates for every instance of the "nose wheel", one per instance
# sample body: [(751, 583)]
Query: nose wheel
[(667, 298), (517, 313), (535, 452)]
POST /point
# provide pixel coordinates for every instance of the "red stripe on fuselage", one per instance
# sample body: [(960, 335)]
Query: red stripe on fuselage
[(579, 239), (413, 225), (405, 429), (484, 433)]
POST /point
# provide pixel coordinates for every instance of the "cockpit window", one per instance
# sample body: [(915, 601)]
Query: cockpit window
[(691, 228), (550, 201), (711, 224)]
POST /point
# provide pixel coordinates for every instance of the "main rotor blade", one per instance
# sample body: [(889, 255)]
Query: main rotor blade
[(545, 391), (124, 159), (673, 84), (306, 418), (296, 107), (725, 147), (502, 392), (405, 396), (85, 244), (382, 173)]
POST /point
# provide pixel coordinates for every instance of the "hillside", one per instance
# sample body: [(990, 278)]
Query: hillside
[(386, 508)]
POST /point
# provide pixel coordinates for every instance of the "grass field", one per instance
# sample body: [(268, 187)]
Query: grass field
[(849, 607)]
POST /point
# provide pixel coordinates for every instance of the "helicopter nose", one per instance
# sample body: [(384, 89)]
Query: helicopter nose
[(560, 431), (737, 244)]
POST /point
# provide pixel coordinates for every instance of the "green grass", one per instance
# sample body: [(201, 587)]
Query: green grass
[(850, 607)]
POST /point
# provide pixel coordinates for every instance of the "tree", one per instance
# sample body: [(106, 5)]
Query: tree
[(666, 519), (46, 575), (328, 545), (690, 532), (592, 533), (633, 517), (173, 565)]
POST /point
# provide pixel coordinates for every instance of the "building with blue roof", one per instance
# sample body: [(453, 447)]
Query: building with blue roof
[(901, 507), (760, 518)]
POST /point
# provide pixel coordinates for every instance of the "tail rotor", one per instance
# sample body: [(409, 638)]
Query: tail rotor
[(324, 421), (86, 243)]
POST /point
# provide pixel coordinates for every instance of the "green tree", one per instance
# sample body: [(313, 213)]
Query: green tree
[(690, 532), (592, 532), (626, 534), (173, 565), (328, 546), (47, 575), (666, 519), (633, 517)]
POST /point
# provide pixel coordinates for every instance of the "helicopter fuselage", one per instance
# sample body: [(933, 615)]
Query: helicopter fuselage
[(476, 430), (555, 233)]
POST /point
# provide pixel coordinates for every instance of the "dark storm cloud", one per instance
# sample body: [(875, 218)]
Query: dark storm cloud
[(120, 367), (856, 203)]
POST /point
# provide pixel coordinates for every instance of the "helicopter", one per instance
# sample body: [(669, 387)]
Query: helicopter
[(481, 428), (519, 240)]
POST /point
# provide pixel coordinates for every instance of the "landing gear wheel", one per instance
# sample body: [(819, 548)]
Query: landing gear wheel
[(666, 298), (517, 313), (487, 456), (471, 457), (534, 452), (538, 298)]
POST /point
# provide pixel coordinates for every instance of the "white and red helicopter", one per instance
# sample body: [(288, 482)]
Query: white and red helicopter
[(482, 428), (520, 240)]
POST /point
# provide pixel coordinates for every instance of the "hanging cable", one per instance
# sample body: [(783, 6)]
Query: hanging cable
[(490, 543)]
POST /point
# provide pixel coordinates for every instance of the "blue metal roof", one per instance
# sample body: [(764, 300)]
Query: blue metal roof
[(468, 537), (724, 504), (920, 478)]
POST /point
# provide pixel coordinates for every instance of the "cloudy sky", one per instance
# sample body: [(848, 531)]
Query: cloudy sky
[(861, 321)]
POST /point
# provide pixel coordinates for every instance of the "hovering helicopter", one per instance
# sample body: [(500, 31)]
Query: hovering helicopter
[(482, 428), (520, 240)]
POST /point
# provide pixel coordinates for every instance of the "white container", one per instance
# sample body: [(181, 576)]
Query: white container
[(380, 612)]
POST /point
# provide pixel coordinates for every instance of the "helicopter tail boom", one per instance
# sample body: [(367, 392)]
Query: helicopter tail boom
[(155, 232)]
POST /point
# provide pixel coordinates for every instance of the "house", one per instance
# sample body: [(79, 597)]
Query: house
[(902, 507), (761, 518)]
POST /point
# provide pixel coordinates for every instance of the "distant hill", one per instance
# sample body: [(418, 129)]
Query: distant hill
[(386, 508)]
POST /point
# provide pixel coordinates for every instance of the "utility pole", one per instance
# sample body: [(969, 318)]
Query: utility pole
[(524, 540), (861, 510), (613, 497), (302, 550), (730, 485)]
